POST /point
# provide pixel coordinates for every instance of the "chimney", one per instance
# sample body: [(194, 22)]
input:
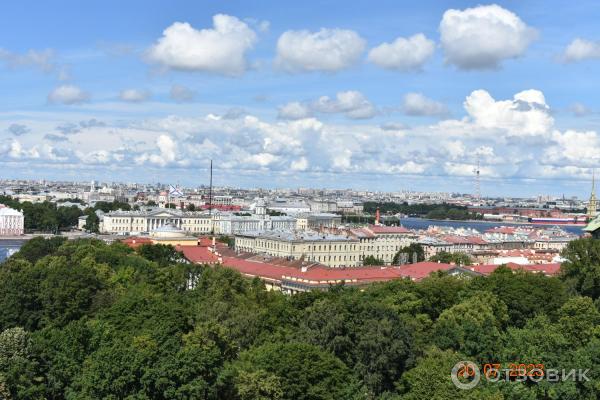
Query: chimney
[(377, 216)]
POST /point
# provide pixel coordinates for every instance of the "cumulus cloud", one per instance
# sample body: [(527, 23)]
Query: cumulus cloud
[(482, 37), (300, 164), (167, 152), (351, 103), (18, 129), (327, 50), (527, 114), (417, 104), (68, 94), (134, 95), (294, 110), (582, 49), (181, 94), (573, 148), (403, 54), (221, 49)]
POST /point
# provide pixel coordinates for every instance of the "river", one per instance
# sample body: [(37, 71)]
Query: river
[(420, 223), (9, 246)]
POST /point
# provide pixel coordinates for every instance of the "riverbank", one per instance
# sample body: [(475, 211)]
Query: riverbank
[(479, 225)]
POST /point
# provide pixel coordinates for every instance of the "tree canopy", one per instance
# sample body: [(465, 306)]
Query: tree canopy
[(88, 320)]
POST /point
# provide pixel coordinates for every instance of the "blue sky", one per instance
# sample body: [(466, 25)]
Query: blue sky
[(379, 95)]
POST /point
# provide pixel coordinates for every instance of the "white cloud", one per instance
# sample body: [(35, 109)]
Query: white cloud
[(403, 54), (300, 164), (167, 152), (483, 36), (351, 103), (527, 114), (418, 105), (582, 49), (327, 50), (134, 95), (68, 94), (294, 110), (181, 93), (221, 49), (262, 159), (574, 148)]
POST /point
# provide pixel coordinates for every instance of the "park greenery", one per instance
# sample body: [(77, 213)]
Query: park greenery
[(430, 211), (87, 320)]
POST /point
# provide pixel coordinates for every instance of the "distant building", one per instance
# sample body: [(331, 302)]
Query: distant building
[(12, 222)]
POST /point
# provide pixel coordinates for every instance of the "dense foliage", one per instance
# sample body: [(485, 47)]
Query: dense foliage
[(87, 320), (431, 211), (45, 216), (456, 258)]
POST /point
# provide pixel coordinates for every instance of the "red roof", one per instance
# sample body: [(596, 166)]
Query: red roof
[(382, 229), (135, 242), (198, 254), (546, 269), (503, 229)]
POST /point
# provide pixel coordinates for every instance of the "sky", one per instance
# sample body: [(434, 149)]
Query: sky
[(369, 95)]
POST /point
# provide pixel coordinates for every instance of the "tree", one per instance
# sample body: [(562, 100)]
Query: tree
[(430, 379), (302, 371), (473, 327), (410, 254), (372, 260), (454, 258), (162, 254), (191, 207), (581, 270), (92, 222)]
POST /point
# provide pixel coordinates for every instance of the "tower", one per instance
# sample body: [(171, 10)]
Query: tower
[(477, 182), (592, 206)]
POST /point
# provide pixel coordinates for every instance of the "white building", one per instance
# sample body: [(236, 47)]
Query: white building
[(12, 222), (146, 221)]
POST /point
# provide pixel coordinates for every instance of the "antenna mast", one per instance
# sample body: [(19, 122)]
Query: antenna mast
[(210, 191), (477, 182)]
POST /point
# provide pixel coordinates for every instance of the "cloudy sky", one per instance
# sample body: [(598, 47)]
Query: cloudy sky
[(380, 95)]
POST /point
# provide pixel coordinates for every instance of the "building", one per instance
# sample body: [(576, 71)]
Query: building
[(327, 249), (317, 221), (12, 222), (132, 222)]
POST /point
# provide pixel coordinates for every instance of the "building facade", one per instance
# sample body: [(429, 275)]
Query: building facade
[(12, 222), (326, 249)]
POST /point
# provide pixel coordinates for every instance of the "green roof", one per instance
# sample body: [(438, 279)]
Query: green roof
[(593, 225)]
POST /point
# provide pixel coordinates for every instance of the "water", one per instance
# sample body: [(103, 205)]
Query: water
[(8, 247), (419, 223)]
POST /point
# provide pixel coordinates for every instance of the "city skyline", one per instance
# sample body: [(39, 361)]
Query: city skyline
[(290, 97)]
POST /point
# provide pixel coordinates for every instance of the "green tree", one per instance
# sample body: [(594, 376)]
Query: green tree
[(92, 222), (455, 258), (410, 254), (581, 270), (305, 372), (473, 327), (372, 260)]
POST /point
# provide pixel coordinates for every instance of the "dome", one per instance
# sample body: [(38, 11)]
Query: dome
[(168, 231)]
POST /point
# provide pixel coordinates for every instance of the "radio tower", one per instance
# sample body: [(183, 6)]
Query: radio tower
[(477, 182)]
